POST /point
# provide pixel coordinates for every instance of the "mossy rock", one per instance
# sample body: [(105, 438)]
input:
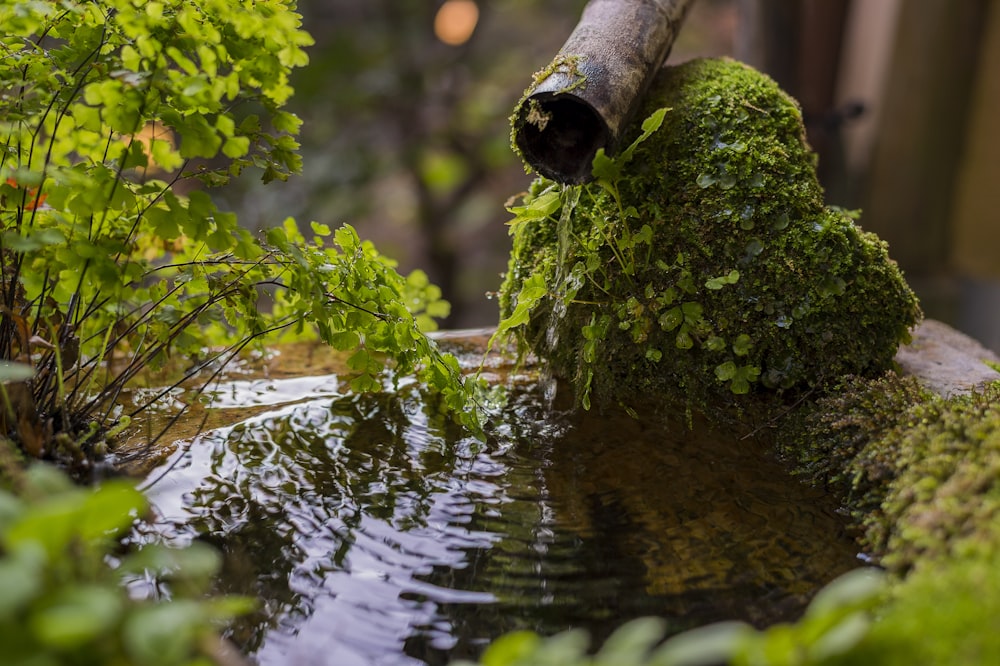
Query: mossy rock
[(705, 262), (918, 472), (920, 475)]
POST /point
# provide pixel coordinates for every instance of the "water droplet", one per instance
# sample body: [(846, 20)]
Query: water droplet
[(780, 222), (753, 249), (757, 180), (784, 321), (727, 181), (705, 180)]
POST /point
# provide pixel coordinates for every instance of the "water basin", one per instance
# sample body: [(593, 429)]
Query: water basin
[(373, 532)]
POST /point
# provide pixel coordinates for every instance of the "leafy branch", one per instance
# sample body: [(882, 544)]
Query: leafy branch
[(114, 261)]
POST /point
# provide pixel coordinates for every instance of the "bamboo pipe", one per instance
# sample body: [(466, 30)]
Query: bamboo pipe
[(586, 97)]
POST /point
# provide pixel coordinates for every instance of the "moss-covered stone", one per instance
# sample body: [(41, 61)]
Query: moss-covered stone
[(839, 440), (706, 263), (920, 473)]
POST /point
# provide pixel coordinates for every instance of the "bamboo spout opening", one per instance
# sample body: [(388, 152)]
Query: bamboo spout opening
[(596, 81), (561, 137)]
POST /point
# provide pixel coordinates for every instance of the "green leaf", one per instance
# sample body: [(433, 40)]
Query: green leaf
[(725, 371), (10, 509), (109, 509), (198, 138), (713, 644), (741, 380), (77, 615), (284, 121), (715, 343), (649, 126), (653, 123), (841, 637), (533, 289), (164, 633), (605, 168), (719, 282), (30, 240), (742, 344), (643, 236), (345, 237), (50, 524), (692, 313), (855, 589), (631, 642), (236, 146), (538, 208), (511, 648), (197, 562), (345, 340), (320, 229), (360, 361), (21, 579), (672, 318), (565, 647)]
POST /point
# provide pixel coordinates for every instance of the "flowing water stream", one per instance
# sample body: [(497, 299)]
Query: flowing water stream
[(373, 532)]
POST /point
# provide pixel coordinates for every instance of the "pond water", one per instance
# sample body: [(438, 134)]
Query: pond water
[(373, 532)]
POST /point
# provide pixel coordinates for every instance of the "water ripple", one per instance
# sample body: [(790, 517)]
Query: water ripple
[(373, 535)]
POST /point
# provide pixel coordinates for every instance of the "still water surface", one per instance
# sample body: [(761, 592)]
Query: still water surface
[(374, 532)]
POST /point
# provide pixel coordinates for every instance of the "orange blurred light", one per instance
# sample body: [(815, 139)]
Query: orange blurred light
[(154, 132), (455, 21), (34, 199)]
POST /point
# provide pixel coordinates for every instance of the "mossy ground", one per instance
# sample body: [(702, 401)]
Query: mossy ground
[(707, 264)]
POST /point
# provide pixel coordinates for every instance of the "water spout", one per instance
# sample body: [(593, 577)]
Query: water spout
[(584, 101)]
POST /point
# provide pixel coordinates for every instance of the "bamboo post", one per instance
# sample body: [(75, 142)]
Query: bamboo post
[(583, 101)]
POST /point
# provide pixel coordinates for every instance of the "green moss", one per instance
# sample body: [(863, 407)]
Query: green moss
[(942, 615), (920, 473), (839, 440), (705, 263)]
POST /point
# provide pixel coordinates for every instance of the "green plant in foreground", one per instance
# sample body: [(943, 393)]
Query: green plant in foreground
[(62, 603), (115, 115)]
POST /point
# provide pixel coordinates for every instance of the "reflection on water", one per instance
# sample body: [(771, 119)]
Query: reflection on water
[(374, 533)]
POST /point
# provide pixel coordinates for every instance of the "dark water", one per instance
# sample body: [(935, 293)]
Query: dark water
[(374, 533)]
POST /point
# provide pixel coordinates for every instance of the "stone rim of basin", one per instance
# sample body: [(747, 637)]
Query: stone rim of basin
[(946, 361)]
